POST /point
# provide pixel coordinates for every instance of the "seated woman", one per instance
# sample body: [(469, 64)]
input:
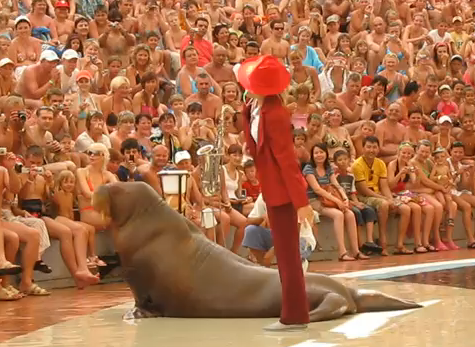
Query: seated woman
[(304, 75), (84, 101), (229, 138), (320, 177), (426, 188), (315, 130), (234, 177), (43, 25), (118, 100), (336, 135), (143, 130), (397, 81), (125, 128), (168, 135), (24, 49), (401, 176), (302, 107), (147, 100), (88, 179)]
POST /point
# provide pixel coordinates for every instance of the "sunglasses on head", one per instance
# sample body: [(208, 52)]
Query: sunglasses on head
[(96, 153)]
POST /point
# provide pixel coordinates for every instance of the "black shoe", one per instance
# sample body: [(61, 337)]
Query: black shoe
[(371, 247), (41, 266)]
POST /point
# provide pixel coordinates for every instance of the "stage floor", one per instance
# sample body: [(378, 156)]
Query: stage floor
[(94, 317)]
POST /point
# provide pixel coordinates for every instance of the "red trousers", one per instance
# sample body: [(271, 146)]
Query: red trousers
[(284, 227)]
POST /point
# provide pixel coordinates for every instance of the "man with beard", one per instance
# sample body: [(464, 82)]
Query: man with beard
[(36, 79), (390, 133), (275, 44), (210, 102), (197, 40), (218, 69)]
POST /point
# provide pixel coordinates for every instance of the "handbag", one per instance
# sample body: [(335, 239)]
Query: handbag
[(330, 188)]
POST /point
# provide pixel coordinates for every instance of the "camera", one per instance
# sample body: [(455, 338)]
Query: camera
[(114, 24), (243, 193), (3, 150), (22, 116), (132, 157), (59, 107), (434, 115), (26, 170)]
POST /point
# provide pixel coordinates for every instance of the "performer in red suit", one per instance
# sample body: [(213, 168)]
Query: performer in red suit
[(269, 138)]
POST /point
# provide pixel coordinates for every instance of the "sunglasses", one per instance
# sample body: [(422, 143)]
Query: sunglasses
[(371, 175), (94, 153), (279, 28)]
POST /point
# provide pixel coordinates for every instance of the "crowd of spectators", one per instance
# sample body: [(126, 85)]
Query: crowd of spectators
[(381, 102)]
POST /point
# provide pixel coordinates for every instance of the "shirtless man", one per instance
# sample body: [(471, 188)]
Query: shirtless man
[(428, 100), (211, 103), (117, 40), (331, 38), (150, 171), (275, 45), (414, 134), (54, 99), (273, 13), (218, 68), (131, 24), (467, 137), (353, 102), (376, 38), (99, 25), (360, 20), (64, 26), (217, 14), (408, 101), (38, 78), (175, 35), (390, 133), (12, 123), (40, 135), (36, 185)]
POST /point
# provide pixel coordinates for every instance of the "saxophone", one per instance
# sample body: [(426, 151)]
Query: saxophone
[(211, 157)]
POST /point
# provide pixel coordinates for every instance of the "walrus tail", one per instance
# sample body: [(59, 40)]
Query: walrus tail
[(371, 301)]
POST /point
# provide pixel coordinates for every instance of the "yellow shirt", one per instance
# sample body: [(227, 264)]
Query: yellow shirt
[(372, 174), (459, 39)]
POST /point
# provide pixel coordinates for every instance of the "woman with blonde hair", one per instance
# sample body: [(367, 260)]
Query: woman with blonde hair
[(141, 63), (231, 95), (92, 63), (89, 179), (125, 128), (119, 98), (397, 81)]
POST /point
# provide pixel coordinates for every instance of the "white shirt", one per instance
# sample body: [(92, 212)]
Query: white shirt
[(255, 117), (68, 83), (434, 34), (84, 141)]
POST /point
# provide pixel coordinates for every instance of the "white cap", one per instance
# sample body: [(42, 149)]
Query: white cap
[(333, 18), (182, 155), (22, 19), (70, 54), (444, 119), (48, 55), (444, 87), (6, 61)]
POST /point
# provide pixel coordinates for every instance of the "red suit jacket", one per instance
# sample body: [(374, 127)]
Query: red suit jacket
[(277, 167)]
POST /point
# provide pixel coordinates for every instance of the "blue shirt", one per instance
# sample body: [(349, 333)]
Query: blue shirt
[(324, 180), (311, 58)]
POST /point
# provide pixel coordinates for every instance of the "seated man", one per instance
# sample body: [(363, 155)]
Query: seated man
[(258, 237), (127, 172), (94, 133)]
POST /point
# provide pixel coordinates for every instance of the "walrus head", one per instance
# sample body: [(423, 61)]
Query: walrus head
[(119, 201)]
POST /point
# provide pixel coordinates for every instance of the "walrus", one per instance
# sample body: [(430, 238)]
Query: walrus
[(173, 270)]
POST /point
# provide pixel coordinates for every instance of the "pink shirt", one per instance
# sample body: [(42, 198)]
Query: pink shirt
[(204, 48), (447, 108)]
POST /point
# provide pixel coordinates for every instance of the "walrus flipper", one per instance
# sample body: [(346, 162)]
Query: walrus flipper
[(333, 306), (371, 301), (138, 313)]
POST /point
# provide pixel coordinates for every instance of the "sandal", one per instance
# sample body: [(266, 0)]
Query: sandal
[(8, 268), (421, 249), (97, 261), (36, 290), (430, 248), (471, 245), (90, 263), (6, 295), (450, 222), (41, 266), (402, 251), (361, 256), (345, 257)]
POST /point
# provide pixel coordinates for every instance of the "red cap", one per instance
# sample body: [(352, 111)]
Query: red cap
[(61, 4), (83, 74), (264, 75)]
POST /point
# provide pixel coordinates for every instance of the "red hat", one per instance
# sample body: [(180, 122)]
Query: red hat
[(61, 4), (83, 74), (264, 75)]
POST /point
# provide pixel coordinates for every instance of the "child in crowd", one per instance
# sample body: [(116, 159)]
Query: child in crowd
[(66, 154), (368, 128), (235, 53), (114, 69), (177, 104), (300, 138), (251, 184), (446, 106), (468, 105), (441, 174), (5, 31), (64, 195), (365, 215), (5, 43)]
